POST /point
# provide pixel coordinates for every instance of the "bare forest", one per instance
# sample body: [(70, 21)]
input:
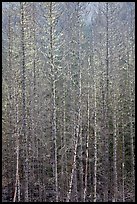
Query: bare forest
[(68, 101)]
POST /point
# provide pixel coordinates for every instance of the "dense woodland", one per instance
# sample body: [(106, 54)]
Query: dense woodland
[(68, 101)]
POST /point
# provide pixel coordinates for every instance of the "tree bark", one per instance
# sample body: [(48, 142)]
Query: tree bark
[(25, 138)]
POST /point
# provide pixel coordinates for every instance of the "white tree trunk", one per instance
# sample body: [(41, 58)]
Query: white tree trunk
[(87, 140), (95, 140), (115, 150), (17, 183), (123, 160)]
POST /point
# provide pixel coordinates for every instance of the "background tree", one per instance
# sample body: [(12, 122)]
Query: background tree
[(68, 101)]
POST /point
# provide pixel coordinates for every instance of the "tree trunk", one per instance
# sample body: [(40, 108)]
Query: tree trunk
[(17, 183), (95, 139), (25, 138), (54, 127), (87, 139), (115, 150)]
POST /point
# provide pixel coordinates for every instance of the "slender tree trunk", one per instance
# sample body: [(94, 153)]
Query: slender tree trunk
[(131, 123), (80, 102), (80, 137), (87, 140), (34, 84), (95, 139), (75, 187), (64, 139), (106, 113), (74, 165), (25, 138), (10, 67), (123, 160), (17, 183), (54, 102), (34, 115), (115, 151)]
